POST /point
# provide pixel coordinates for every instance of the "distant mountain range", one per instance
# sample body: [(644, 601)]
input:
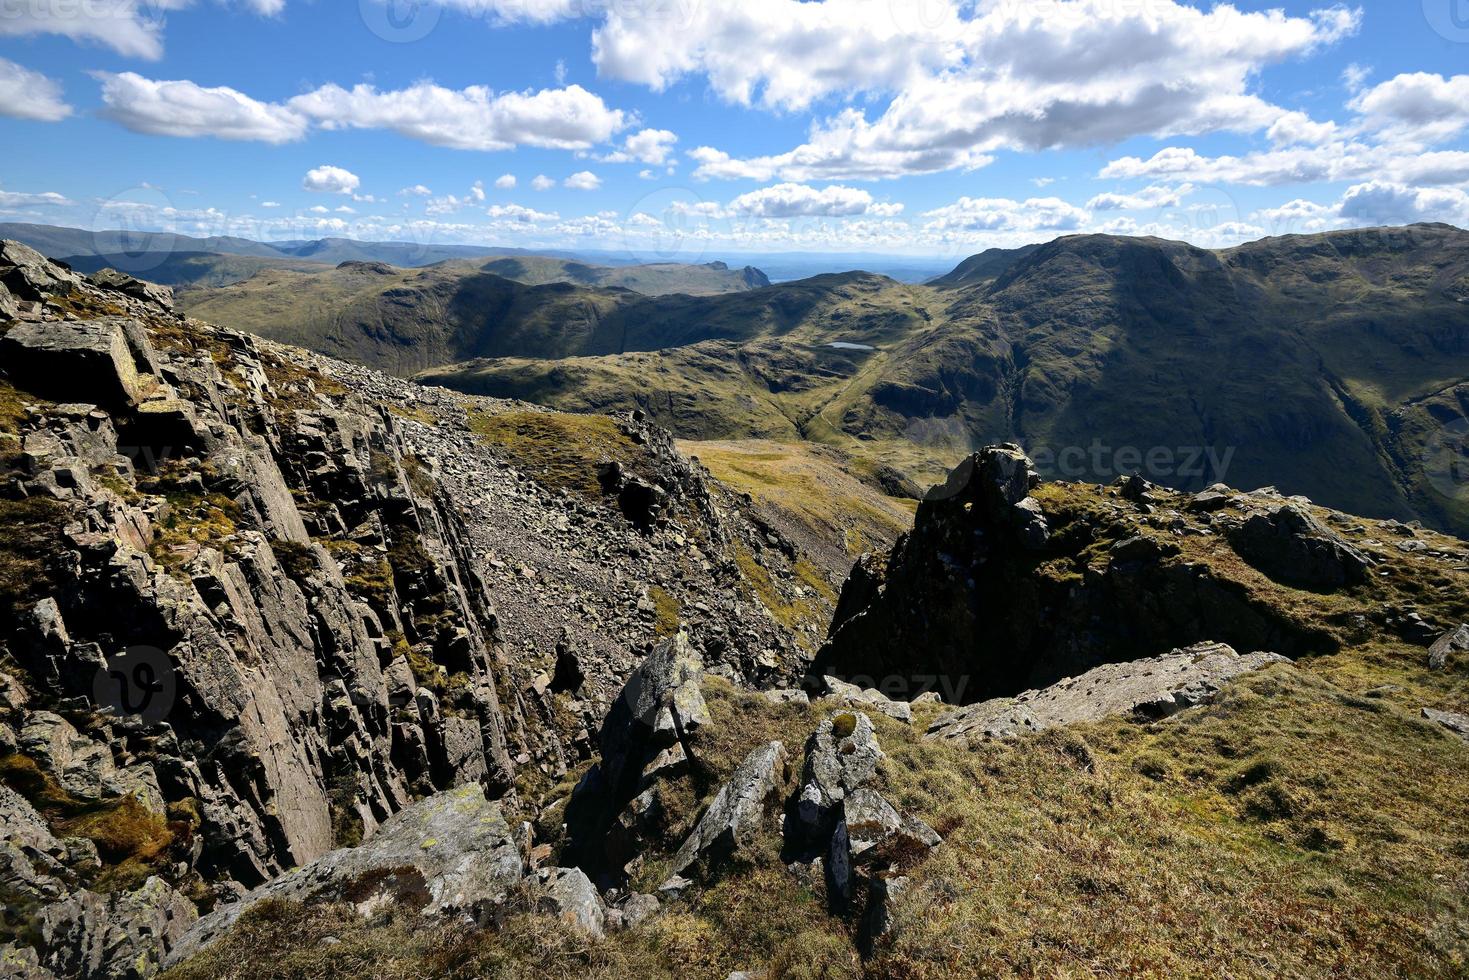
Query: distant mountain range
[(1333, 365)]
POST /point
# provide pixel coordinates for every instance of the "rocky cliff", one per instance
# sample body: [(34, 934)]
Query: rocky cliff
[(257, 602)]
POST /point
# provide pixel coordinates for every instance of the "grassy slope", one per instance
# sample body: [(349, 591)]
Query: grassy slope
[(1308, 824)]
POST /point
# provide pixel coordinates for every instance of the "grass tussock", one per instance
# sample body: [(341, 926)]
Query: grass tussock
[(132, 841)]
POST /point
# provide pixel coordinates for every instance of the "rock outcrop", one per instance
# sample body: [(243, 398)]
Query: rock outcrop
[(1151, 688), (739, 811), (1006, 585)]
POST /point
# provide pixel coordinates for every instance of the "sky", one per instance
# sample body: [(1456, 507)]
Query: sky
[(689, 129)]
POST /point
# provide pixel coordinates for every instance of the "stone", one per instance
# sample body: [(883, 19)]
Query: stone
[(1453, 721), (792, 696), (69, 361), (1454, 641), (161, 296), (738, 811), (568, 894), (451, 855), (841, 756), (1291, 546), (868, 697), (638, 908), (879, 834), (30, 275), (1151, 688)]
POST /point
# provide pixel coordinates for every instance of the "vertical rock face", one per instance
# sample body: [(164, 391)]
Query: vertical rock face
[(319, 644)]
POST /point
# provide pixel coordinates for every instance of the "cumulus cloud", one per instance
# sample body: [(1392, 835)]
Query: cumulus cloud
[(26, 94), (1383, 203), (1153, 196), (514, 212), (798, 200), (1013, 76), (1417, 108), (505, 182), (975, 214), (645, 146), (327, 179), (182, 108), (417, 190), (542, 183), (130, 27), (474, 118), (583, 180)]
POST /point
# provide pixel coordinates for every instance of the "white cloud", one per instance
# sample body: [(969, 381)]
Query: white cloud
[(514, 212), (1294, 128), (583, 180), (474, 118), (1015, 76), (327, 179), (1381, 203), (1418, 107), (645, 146), (13, 199), (132, 28), (319, 209), (505, 182), (26, 94), (798, 200), (270, 204), (542, 183), (345, 209), (990, 214), (1153, 196), (417, 190), (182, 108)]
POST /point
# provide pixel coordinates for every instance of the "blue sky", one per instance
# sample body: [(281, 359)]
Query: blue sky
[(676, 128)]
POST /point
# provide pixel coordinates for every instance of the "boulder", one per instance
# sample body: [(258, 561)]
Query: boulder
[(841, 756), (1154, 687), (568, 894), (30, 275), (1453, 721), (661, 704), (452, 854), (1291, 546), (879, 834), (82, 360), (1454, 641), (121, 282), (737, 812)]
